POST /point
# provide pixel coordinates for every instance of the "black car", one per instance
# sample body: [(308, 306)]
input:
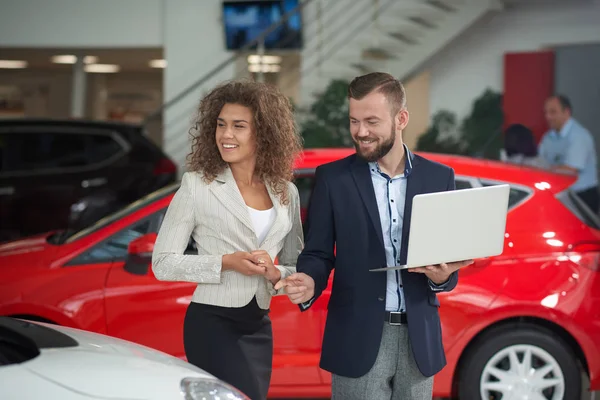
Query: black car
[(55, 174)]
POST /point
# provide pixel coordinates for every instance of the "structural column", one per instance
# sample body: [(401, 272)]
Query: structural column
[(78, 89)]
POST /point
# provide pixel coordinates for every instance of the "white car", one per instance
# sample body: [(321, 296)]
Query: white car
[(42, 361)]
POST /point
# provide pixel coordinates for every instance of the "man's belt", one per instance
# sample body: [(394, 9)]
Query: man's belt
[(395, 318)]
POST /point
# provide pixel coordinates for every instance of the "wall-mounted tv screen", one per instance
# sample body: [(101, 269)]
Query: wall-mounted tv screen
[(244, 21)]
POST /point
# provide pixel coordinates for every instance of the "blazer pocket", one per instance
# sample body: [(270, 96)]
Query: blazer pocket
[(433, 300), (340, 298)]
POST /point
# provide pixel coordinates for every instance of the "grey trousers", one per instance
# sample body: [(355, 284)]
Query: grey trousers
[(394, 376)]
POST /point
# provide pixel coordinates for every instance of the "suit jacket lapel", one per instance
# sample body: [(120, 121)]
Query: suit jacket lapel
[(228, 193), (414, 182), (362, 178)]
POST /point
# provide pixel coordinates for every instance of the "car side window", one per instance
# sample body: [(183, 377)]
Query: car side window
[(305, 184), (31, 151), (42, 151), (102, 148), (462, 184), (516, 195), (115, 247), (4, 152)]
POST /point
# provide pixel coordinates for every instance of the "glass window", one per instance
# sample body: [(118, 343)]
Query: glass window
[(579, 208), (39, 151), (3, 151), (516, 195), (102, 147), (115, 247), (462, 184), (304, 183)]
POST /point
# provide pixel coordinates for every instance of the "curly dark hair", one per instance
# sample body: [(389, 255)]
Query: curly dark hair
[(277, 138)]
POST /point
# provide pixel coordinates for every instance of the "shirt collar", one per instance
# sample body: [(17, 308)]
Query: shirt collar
[(407, 165), (565, 129)]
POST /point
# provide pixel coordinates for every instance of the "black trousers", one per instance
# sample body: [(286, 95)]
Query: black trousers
[(233, 344), (591, 197)]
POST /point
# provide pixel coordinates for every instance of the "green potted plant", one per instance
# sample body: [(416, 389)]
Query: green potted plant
[(326, 122)]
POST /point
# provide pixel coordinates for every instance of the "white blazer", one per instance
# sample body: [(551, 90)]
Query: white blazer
[(217, 218)]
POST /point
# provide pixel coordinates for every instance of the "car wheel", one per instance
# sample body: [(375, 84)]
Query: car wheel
[(520, 361)]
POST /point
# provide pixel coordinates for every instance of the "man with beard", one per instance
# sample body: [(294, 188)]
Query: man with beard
[(383, 338)]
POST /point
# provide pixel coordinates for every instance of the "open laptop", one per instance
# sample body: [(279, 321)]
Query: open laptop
[(456, 225)]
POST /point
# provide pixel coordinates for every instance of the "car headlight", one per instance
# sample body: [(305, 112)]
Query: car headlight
[(209, 389)]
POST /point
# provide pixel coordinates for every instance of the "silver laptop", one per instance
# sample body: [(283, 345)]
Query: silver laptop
[(456, 225)]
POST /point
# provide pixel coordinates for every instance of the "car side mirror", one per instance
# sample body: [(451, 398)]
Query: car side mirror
[(139, 254)]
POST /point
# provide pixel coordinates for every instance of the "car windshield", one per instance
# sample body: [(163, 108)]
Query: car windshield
[(136, 205)]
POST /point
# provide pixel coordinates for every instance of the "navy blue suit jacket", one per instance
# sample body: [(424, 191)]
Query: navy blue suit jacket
[(343, 214)]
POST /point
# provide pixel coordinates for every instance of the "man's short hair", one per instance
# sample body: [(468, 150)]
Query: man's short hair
[(390, 87), (564, 101)]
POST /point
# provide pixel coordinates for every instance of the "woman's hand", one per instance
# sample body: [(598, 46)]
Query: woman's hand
[(272, 274), (244, 263)]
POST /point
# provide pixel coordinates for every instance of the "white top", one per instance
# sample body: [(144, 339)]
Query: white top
[(262, 221)]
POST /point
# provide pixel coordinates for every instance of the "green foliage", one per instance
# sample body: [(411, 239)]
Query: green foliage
[(441, 137), (480, 130), (478, 134), (326, 124)]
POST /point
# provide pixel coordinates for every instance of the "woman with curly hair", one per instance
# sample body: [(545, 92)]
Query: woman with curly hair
[(242, 210)]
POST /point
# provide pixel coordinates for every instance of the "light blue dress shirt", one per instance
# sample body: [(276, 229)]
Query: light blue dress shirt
[(574, 147), (390, 193)]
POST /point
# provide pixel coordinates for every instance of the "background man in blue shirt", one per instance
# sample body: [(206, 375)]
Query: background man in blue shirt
[(569, 147)]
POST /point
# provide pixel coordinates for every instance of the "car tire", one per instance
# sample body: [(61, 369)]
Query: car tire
[(497, 347)]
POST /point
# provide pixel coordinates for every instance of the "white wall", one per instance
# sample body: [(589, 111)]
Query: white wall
[(193, 45), (474, 61), (81, 23)]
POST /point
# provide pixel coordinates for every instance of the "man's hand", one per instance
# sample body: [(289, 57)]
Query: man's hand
[(440, 273), (272, 274), (299, 287)]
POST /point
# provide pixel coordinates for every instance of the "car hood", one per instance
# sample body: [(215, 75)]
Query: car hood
[(28, 249), (109, 368)]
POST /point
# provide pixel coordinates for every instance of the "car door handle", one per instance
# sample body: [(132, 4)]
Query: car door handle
[(7, 191), (87, 183)]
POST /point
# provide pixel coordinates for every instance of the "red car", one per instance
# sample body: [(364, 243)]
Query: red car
[(524, 323)]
